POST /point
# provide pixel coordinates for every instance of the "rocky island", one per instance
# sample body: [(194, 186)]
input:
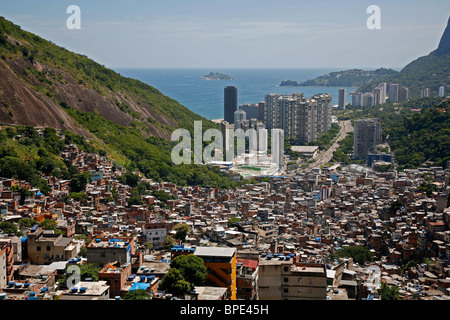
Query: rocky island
[(217, 76)]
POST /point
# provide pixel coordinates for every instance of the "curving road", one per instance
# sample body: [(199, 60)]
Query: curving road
[(326, 155)]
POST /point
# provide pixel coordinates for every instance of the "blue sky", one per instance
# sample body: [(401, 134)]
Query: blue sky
[(238, 34)]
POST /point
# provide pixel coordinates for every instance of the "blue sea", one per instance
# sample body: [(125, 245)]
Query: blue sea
[(205, 97)]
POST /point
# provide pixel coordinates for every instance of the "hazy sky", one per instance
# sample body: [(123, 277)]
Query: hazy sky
[(238, 33)]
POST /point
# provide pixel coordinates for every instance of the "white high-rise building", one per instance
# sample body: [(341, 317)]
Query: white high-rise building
[(277, 148), (383, 92), (441, 91), (424, 92)]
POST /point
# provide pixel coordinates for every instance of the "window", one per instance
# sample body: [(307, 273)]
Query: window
[(48, 248), (38, 248), (285, 290), (286, 279), (300, 280), (286, 269), (299, 290)]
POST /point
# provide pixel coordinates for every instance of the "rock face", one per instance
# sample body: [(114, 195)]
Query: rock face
[(40, 82), (444, 44)]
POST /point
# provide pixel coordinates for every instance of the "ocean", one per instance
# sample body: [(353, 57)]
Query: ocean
[(205, 97)]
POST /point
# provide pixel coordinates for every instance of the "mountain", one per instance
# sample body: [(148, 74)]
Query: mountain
[(444, 44), (44, 85), (37, 77), (430, 71), (347, 78)]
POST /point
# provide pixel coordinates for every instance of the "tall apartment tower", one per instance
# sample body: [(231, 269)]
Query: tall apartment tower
[(393, 92), (367, 135), (270, 110), (342, 94), (403, 93), (383, 92), (287, 114), (225, 130), (277, 148), (357, 99), (323, 112), (239, 117), (230, 103), (441, 91), (424, 92), (307, 121)]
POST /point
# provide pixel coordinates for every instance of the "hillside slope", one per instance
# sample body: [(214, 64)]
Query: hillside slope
[(38, 77), (430, 71), (43, 85)]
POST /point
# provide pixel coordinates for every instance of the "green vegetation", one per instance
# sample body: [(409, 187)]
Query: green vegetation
[(186, 271), (421, 137), (182, 230), (134, 146), (138, 294), (217, 76), (9, 228), (430, 71), (387, 292), (359, 254), (417, 130), (349, 78), (87, 271)]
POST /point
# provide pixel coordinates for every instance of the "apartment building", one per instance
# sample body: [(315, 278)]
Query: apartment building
[(367, 135), (282, 278), (302, 119), (46, 246), (104, 250), (6, 262), (221, 263)]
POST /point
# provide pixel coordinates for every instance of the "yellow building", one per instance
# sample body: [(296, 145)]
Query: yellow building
[(220, 263)]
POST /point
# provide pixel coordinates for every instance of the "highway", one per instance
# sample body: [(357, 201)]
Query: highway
[(326, 155)]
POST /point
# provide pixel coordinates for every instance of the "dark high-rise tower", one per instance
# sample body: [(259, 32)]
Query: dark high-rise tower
[(230, 103)]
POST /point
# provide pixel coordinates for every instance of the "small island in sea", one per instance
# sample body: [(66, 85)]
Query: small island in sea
[(217, 76)]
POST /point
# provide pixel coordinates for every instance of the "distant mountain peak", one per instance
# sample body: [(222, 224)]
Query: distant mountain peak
[(444, 44)]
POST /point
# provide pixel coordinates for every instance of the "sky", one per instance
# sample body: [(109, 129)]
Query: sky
[(238, 33)]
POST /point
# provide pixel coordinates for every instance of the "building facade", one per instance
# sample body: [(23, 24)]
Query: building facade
[(230, 103), (367, 135)]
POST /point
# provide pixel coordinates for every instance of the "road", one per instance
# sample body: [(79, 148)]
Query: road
[(326, 155)]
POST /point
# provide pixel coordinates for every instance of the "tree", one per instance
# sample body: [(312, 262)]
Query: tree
[(79, 181), (182, 230), (232, 221), (191, 267), (9, 228), (169, 242), (387, 292), (27, 222), (359, 254), (138, 294), (174, 283)]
